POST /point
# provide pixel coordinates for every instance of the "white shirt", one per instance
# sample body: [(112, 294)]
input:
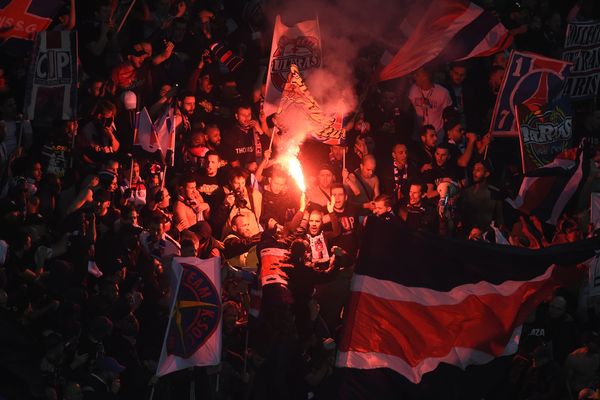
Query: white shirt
[(429, 105), (12, 135)]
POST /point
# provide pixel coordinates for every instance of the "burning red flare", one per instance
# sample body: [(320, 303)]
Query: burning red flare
[(295, 170)]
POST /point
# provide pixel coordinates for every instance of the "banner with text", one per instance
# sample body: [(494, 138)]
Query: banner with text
[(52, 86), (544, 133), (299, 44), (193, 336), (531, 81), (582, 48)]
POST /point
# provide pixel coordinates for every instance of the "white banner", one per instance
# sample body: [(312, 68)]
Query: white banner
[(299, 44), (193, 335)]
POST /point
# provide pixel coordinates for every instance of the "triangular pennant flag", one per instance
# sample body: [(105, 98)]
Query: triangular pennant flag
[(145, 135)]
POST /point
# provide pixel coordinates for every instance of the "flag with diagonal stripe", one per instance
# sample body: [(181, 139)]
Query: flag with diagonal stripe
[(420, 301)]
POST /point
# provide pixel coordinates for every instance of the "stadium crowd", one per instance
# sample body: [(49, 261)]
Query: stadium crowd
[(90, 224)]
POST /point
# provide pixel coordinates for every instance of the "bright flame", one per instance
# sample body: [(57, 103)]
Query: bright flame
[(295, 170)]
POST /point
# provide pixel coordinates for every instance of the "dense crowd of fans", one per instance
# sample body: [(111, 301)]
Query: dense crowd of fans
[(89, 223)]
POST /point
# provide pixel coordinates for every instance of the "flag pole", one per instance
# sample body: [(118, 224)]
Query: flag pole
[(193, 387), (73, 146), (246, 351), (20, 138), (125, 16), (171, 312), (272, 137), (520, 139), (131, 172), (162, 184), (344, 158), (275, 127), (152, 392)]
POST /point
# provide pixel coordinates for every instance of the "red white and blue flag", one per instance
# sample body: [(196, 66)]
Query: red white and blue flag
[(165, 131), (546, 191), (419, 300), (531, 81), (193, 336), (23, 19), (144, 133), (449, 30)]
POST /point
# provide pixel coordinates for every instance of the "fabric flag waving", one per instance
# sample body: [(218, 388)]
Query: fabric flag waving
[(23, 19), (582, 44), (193, 336), (419, 300), (144, 134), (300, 112), (165, 131), (544, 133), (299, 44), (546, 191), (52, 86), (449, 30), (530, 80)]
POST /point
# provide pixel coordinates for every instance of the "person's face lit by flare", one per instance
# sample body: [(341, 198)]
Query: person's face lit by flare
[(325, 178), (339, 198), (315, 221), (415, 195), (243, 117)]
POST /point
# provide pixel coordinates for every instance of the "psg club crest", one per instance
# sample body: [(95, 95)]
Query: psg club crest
[(196, 313), (544, 134), (303, 51), (531, 81)]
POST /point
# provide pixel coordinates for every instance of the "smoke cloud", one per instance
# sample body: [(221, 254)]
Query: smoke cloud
[(347, 28)]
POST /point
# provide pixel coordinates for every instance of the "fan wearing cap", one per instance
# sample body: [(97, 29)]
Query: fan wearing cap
[(103, 382), (208, 246), (127, 75)]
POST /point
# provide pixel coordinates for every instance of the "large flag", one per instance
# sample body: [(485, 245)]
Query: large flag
[(530, 80), (546, 191), (419, 300), (582, 45), (450, 30), (165, 131), (193, 336), (300, 112), (144, 134), (544, 133), (52, 86), (299, 44), (21, 20)]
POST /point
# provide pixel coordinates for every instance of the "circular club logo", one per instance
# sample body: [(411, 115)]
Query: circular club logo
[(546, 135), (196, 313), (304, 51)]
